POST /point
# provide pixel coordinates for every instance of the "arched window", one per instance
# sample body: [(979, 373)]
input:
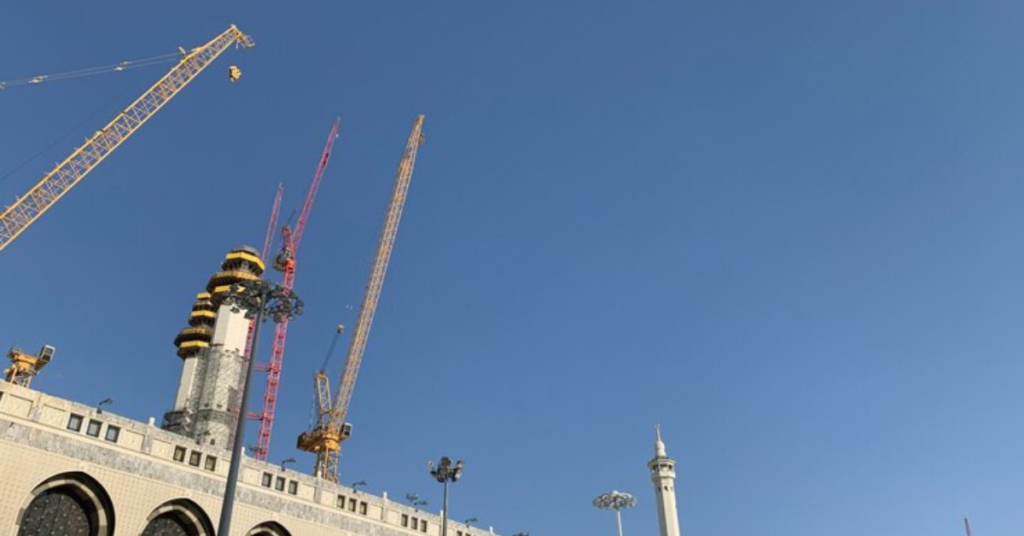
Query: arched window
[(180, 517), (68, 504), (268, 529)]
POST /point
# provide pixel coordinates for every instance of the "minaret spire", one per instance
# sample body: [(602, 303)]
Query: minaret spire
[(663, 475)]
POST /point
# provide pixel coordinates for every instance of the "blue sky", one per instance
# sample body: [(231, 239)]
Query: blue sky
[(789, 232)]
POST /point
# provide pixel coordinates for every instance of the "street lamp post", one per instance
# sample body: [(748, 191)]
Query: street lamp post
[(258, 299), (104, 402), (617, 501), (444, 472)]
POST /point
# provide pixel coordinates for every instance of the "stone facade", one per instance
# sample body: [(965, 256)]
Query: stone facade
[(132, 477), (218, 396)]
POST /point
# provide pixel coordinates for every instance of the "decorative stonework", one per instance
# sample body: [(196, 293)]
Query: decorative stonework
[(140, 472)]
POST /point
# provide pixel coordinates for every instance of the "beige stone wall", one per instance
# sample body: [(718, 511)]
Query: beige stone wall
[(146, 467)]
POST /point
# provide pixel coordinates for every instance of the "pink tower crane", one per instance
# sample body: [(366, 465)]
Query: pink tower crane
[(285, 262)]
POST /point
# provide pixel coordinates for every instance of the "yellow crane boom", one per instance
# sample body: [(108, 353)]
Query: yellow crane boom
[(325, 439), (27, 209)]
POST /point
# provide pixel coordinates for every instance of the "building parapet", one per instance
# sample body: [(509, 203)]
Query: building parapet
[(89, 434)]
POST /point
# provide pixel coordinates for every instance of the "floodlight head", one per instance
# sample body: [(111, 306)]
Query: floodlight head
[(615, 500), (104, 402)]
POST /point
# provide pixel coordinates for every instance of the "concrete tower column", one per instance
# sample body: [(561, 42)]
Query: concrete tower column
[(213, 352), (192, 343), (219, 396), (663, 475)]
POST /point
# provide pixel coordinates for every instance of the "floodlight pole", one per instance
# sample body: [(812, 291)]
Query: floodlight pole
[(258, 298), (444, 472), (615, 500)]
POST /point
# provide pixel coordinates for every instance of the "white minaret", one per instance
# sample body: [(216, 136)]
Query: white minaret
[(663, 474), (213, 352)]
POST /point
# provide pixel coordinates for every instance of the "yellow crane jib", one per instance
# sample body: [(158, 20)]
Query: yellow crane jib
[(27, 208), (331, 429)]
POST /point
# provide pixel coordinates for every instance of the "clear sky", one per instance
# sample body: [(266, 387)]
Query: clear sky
[(790, 232)]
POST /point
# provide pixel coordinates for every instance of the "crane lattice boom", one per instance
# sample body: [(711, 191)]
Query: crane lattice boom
[(27, 209), (325, 439), (286, 263), (271, 227)]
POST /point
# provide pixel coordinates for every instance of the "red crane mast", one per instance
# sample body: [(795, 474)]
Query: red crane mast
[(273, 222), (266, 249), (285, 263)]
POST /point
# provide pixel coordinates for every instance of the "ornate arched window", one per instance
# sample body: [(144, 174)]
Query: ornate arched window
[(180, 517), (68, 504), (269, 528)]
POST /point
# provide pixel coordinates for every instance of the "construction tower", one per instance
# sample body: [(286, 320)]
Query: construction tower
[(212, 349)]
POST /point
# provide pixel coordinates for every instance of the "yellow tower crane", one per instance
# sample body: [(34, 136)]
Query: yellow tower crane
[(17, 217), (331, 429), (25, 366)]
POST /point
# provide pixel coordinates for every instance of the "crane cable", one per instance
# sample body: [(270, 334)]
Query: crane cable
[(314, 414), (116, 67), (62, 137), (123, 66), (330, 350)]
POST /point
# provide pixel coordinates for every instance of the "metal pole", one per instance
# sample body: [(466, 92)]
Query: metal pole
[(224, 528), (618, 517), (444, 513)]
